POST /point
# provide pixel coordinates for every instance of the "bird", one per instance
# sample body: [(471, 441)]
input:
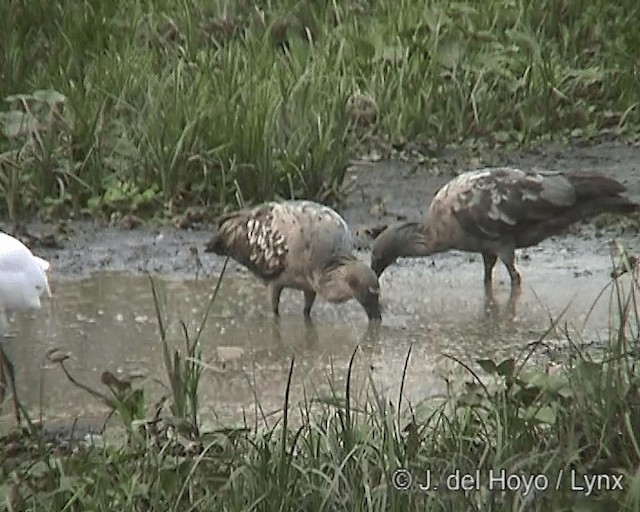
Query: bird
[(23, 282), (494, 211), (298, 244)]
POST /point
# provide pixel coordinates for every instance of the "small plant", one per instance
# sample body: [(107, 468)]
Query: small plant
[(124, 400), (184, 372)]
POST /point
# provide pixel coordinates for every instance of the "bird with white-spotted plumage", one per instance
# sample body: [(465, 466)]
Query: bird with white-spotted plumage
[(302, 245), (495, 211)]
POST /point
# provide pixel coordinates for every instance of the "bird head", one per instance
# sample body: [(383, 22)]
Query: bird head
[(42, 285), (23, 276), (33, 292), (395, 241), (215, 245), (365, 288)]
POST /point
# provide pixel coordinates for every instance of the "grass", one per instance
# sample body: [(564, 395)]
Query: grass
[(566, 439), (160, 107)]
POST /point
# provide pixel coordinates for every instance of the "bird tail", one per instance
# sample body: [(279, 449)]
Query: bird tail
[(589, 208), (599, 194), (228, 233), (217, 245), (591, 186), (610, 204)]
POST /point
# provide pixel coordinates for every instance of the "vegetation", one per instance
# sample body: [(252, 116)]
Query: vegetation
[(561, 440), (157, 107)]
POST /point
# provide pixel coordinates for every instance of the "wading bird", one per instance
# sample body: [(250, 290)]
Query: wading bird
[(23, 281), (301, 245), (495, 211)]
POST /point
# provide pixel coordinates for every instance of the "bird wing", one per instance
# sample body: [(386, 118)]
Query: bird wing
[(22, 278), (10, 245), (253, 239), (14, 255), (503, 201), (316, 234), (272, 237)]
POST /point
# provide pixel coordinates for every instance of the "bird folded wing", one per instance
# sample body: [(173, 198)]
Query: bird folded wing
[(497, 206), (314, 232), (252, 239)]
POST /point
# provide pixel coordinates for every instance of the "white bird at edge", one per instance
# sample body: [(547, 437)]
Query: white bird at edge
[(23, 282)]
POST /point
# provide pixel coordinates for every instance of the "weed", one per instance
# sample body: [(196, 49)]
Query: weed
[(152, 107)]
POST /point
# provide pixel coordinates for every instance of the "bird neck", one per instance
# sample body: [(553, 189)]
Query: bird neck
[(331, 283), (338, 263), (417, 240)]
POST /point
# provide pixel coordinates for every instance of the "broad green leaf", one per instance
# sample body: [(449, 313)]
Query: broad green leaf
[(506, 367), (487, 365), (49, 96), (16, 123), (546, 415)]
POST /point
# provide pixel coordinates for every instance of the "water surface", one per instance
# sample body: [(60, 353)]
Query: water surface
[(436, 305)]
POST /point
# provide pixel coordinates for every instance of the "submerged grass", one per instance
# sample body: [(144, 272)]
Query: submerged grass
[(158, 106), (516, 437)]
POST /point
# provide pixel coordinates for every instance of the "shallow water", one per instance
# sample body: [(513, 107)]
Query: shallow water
[(436, 305)]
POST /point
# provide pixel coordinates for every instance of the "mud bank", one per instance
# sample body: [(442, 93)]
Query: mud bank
[(380, 192)]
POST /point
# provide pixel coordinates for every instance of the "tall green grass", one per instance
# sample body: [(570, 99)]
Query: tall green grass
[(156, 106), (540, 431)]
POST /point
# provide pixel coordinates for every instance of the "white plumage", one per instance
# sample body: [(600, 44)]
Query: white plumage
[(23, 276), (23, 282)]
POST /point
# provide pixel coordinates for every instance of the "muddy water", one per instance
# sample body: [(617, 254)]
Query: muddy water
[(108, 322)]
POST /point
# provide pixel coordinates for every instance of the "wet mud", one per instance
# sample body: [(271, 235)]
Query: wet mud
[(103, 312)]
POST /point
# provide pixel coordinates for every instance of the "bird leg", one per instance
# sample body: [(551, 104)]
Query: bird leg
[(489, 262), (309, 299), (310, 332), (497, 313), (489, 300), (276, 291), (514, 296), (7, 370), (509, 261), (372, 334)]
